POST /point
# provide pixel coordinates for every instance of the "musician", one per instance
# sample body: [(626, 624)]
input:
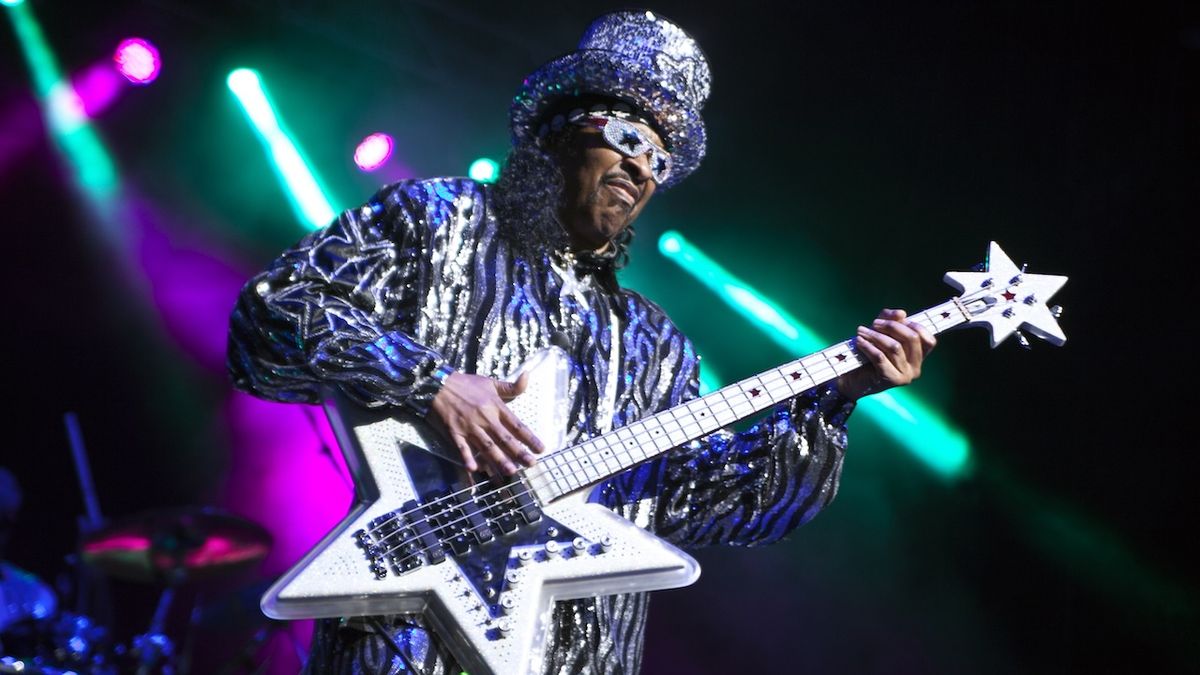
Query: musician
[(430, 294)]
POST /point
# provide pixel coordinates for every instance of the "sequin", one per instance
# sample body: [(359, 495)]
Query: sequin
[(637, 57), (385, 306)]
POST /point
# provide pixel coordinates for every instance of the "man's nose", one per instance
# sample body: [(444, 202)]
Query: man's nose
[(639, 167)]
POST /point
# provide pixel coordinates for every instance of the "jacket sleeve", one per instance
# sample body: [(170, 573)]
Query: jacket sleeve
[(747, 488), (338, 308), (755, 487)]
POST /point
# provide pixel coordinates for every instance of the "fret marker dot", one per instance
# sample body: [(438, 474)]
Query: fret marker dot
[(841, 357), (755, 392), (795, 375), (945, 315)]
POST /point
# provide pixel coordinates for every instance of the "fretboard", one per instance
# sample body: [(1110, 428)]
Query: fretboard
[(600, 457)]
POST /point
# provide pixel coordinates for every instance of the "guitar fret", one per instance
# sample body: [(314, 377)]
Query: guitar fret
[(612, 452)]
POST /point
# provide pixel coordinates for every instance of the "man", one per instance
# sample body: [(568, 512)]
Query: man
[(431, 294)]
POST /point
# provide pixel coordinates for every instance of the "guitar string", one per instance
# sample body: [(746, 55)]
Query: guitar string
[(526, 489), (578, 459)]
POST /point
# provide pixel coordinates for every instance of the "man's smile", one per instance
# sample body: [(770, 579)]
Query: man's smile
[(625, 189)]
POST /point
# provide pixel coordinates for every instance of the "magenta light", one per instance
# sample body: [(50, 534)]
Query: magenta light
[(137, 60), (97, 87), (373, 151)]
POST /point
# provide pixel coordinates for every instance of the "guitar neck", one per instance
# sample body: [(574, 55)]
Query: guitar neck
[(596, 459)]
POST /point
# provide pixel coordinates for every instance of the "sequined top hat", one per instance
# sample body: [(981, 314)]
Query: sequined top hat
[(638, 57)]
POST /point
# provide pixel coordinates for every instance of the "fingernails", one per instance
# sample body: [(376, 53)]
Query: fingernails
[(529, 459)]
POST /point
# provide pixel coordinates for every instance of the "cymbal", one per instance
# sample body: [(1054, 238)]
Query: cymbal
[(176, 546)]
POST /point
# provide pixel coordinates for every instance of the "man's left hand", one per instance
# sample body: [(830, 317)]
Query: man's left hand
[(894, 349)]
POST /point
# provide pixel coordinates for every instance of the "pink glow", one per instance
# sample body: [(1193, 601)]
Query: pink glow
[(282, 478), (137, 60), (21, 131), (373, 151), (190, 284), (97, 88), (121, 542)]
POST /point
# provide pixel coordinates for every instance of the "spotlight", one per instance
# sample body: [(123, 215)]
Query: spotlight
[(484, 170), (373, 151), (137, 60)]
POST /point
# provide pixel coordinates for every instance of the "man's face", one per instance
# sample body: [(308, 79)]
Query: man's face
[(604, 190)]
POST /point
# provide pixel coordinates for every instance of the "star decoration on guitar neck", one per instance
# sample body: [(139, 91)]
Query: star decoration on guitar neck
[(1005, 298)]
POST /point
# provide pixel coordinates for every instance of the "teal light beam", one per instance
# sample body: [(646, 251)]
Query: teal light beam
[(903, 416), (300, 182), (94, 171), (710, 379)]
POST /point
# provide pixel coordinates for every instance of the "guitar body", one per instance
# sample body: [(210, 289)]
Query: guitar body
[(485, 575)]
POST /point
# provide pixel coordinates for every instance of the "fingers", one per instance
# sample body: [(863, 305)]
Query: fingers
[(510, 390), (523, 433), (896, 346), (471, 412), (881, 350), (495, 448), (464, 449), (866, 347), (928, 341)]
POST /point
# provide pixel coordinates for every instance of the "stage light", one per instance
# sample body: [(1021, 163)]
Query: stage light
[(373, 151), (484, 170), (299, 180), (899, 413), (97, 88), (137, 60), (11, 3), (65, 114)]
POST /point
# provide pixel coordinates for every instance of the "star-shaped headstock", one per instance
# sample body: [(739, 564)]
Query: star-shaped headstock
[(1005, 298)]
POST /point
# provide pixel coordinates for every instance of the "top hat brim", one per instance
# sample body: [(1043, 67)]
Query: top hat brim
[(606, 73)]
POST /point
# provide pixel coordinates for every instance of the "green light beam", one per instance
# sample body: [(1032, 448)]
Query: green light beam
[(710, 379), (903, 416), (308, 199), (94, 171)]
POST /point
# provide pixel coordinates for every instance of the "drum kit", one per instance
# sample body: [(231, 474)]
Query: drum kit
[(167, 550)]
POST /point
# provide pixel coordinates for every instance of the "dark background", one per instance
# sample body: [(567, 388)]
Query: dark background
[(857, 151)]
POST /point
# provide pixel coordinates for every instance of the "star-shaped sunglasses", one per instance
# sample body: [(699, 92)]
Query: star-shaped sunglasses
[(627, 139)]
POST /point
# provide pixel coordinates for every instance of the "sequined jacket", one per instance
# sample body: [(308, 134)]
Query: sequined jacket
[(393, 295)]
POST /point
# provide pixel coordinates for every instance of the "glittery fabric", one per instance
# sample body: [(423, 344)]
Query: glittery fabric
[(391, 295), (638, 57)]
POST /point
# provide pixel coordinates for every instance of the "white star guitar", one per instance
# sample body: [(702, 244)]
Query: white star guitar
[(484, 562)]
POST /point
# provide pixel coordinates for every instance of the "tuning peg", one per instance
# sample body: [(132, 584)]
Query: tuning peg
[(1022, 340), (1056, 311), (979, 267)]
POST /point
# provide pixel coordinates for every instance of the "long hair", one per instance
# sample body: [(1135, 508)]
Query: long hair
[(527, 198)]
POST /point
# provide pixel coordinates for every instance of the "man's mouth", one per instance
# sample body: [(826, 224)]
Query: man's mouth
[(626, 190)]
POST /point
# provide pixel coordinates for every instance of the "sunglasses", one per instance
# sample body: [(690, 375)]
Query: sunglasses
[(631, 141)]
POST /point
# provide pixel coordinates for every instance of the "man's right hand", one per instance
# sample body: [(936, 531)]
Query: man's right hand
[(470, 410)]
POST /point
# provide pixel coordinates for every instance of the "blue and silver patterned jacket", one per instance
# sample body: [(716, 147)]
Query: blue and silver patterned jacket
[(418, 281)]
